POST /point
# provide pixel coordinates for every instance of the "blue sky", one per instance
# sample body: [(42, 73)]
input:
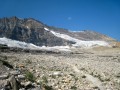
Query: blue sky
[(98, 15)]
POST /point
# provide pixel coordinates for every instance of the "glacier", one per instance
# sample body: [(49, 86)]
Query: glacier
[(79, 43), (24, 45)]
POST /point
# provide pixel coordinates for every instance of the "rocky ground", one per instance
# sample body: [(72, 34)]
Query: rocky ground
[(91, 69)]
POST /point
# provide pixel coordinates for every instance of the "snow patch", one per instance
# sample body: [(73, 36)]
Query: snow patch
[(46, 29), (63, 36), (60, 48), (20, 44), (27, 27), (80, 43), (90, 43)]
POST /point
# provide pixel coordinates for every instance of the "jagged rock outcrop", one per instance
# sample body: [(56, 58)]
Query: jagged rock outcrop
[(30, 31)]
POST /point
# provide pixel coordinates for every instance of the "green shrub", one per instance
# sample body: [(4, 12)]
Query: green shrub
[(48, 87), (44, 78), (29, 76), (73, 87)]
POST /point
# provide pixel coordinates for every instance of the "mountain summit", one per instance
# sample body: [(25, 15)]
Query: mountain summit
[(32, 31), (28, 30)]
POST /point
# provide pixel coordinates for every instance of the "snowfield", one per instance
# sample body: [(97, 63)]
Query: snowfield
[(20, 44), (79, 43), (14, 43)]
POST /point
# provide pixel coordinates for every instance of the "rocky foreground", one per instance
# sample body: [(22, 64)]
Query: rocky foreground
[(91, 69)]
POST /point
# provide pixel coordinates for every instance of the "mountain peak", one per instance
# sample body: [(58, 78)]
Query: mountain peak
[(33, 31)]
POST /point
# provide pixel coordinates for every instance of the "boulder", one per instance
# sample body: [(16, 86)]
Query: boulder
[(4, 76), (15, 72), (21, 77), (14, 83)]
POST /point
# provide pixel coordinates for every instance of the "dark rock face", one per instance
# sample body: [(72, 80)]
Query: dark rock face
[(30, 31)]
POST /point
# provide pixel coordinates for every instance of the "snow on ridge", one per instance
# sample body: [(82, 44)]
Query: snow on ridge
[(27, 27), (64, 36), (76, 31), (14, 43), (46, 29), (80, 43), (20, 44)]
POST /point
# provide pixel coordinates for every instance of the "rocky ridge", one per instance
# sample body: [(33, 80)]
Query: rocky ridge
[(32, 31)]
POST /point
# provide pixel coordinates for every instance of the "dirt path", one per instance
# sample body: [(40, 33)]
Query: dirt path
[(89, 77)]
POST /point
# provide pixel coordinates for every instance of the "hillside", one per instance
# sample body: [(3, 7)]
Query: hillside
[(29, 30)]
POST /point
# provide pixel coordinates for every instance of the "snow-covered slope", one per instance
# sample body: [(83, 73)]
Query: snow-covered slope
[(79, 43), (19, 44)]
